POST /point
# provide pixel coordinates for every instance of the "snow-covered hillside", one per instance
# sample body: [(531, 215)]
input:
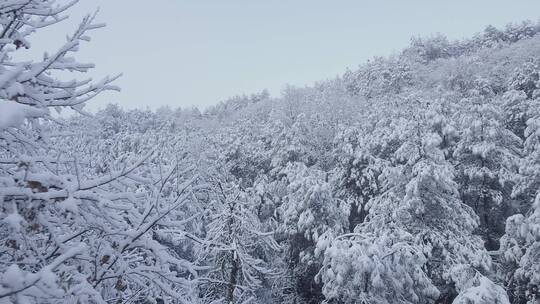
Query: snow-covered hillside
[(410, 179)]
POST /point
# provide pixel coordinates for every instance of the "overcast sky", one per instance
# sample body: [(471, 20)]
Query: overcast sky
[(183, 53)]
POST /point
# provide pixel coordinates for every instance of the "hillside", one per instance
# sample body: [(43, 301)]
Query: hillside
[(410, 179)]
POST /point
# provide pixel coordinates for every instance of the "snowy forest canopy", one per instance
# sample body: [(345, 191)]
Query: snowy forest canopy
[(411, 179)]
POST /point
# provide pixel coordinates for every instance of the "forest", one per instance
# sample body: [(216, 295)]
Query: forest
[(413, 178)]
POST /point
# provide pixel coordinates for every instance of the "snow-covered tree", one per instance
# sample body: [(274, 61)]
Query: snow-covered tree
[(309, 217), (376, 268), (69, 235), (486, 159), (355, 176), (236, 249), (520, 251), (520, 248), (379, 77), (421, 209), (477, 289)]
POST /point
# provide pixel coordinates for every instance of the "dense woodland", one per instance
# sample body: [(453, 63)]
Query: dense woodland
[(410, 179)]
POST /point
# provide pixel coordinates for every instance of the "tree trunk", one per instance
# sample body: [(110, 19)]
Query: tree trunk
[(232, 280)]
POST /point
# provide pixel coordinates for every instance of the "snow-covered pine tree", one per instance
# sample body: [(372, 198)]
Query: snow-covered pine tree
[(520, 246), (418, 216), (520, 249), (309, 218), (486, 158), (355, 177)]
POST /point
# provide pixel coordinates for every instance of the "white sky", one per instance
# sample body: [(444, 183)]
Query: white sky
[(199, 52)]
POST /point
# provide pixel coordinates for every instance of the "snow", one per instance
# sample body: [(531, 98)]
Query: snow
[(14, 221), (484, 291), (391, 184), (13, 114), (13, 277)]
